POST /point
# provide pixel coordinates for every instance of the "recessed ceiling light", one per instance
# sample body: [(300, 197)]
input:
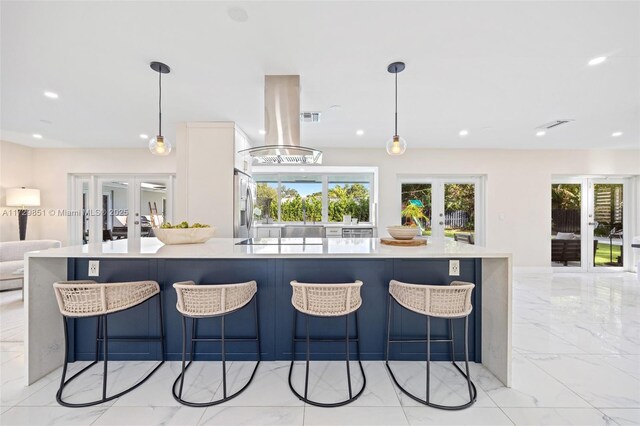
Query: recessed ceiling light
[(359, 132), (51, 95), (463, 133), (37, 135), (143, 136), (262, 132), (616, 134), (238, 14), (597, 61), (541, 133)]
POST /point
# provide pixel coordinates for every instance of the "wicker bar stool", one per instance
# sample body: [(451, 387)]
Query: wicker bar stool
[(84, 299), (326, 300), (208, 301), (434, 301)]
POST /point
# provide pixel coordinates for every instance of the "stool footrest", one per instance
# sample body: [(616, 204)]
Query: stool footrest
[(420, 340), (218, 339), (131, 339), (302, 339)]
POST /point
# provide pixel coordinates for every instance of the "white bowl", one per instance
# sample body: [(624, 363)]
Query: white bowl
[(185, 235), (403, 232)]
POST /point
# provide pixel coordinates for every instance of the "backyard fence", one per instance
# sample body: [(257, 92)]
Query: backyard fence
[(565, 220), (456, 219)]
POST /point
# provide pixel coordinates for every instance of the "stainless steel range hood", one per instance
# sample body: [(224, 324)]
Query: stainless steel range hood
[(282, 124)]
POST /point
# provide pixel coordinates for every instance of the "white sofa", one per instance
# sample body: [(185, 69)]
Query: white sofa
[(12, 258)]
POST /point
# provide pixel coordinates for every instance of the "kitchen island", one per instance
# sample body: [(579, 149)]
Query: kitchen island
[(273, 264)]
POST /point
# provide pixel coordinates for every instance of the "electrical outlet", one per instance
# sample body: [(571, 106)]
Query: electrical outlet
[(94, 268), (454, 268)]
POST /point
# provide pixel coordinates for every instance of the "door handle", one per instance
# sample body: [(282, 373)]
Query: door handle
[(136, 223), (593, 223), (441, 223)]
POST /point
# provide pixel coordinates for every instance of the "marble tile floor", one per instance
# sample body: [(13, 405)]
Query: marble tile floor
[(576, 361)]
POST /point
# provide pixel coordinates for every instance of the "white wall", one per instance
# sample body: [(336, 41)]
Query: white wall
[(15, 171), (52, 167), (518, 187), (518, 183)]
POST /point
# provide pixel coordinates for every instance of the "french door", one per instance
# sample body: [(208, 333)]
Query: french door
[(589, 224), (451, 205), (112, 207)]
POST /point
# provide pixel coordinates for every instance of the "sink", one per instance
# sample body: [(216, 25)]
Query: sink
[(302, 231)]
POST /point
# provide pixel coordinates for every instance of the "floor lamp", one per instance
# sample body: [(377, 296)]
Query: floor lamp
[(21, 198)]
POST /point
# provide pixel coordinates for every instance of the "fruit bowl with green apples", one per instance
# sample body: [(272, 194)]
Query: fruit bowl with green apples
[(183, 233)]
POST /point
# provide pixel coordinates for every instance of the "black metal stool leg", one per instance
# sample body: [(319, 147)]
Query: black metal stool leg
[(348, 357), (306, 377), (453, 339), (184, 354), (177, 394), (98, 337), (66, 354), (255, 313), (389, 313), (224, 360), (428, 356), (466, 356), (105, 348), (161, 319), (471, 386), (102, 336), (307, 339)]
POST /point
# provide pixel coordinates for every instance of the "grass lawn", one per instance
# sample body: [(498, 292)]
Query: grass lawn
[(448, 232), (603, 256)]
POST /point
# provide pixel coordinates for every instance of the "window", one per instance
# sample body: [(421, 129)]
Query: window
[(301, 199), (349, 197), (443, 207), (318, 197)]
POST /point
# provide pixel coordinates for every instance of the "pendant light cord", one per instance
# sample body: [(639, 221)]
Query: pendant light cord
[(396, 115), (160, 104)]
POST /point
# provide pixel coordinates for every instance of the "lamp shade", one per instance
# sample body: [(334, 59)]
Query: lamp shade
[(19, 197)]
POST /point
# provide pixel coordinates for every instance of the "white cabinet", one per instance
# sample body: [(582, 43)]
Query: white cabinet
[(333, 232), (267, 232), (242, 162)]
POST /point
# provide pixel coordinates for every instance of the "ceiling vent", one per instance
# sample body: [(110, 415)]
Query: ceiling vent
[(310, 117), (555, 123)]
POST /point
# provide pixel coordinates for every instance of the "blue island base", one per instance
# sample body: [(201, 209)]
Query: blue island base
[(275, 310)]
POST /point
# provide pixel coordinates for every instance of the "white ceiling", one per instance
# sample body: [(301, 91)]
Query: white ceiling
[(497, 69)]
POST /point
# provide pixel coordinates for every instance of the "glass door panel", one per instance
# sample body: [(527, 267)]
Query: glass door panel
[(153, 206), (606, 223), (114, 208), (566, 225), (459, 211), (419, 197)]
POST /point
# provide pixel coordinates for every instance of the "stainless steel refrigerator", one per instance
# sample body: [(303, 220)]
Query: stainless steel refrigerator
[(244, 201)]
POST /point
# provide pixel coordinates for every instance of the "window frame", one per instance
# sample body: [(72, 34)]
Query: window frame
[(324, 174)]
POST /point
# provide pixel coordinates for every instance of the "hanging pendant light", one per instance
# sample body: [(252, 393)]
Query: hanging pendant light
[(396, 145), (160, 145)]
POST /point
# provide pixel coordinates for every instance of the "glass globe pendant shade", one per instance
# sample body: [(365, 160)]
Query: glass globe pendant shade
[(396, 145), (160, 146)]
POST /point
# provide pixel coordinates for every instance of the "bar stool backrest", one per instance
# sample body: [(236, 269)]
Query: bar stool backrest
[(443, 301), (85, 298), (207, 300), (327, 300)]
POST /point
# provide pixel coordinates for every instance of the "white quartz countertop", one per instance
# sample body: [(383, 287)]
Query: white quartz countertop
[(326, 225), (227, 248)]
